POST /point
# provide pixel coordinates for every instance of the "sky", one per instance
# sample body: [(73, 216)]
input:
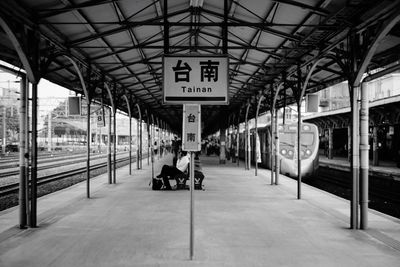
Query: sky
[(45, 88)]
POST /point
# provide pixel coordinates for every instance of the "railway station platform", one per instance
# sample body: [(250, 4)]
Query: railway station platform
[(385, 168), (240, 220)]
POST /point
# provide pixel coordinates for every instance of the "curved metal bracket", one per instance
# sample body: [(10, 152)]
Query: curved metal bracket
[(20, 51), (382, 32), (128, 104), (110, 95)]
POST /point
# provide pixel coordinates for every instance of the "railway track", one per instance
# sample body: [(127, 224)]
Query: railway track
[(62, 162), (384, 193), (14, 187)]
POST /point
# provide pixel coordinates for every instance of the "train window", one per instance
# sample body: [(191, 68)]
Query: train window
[(307, 139), (287, 138)]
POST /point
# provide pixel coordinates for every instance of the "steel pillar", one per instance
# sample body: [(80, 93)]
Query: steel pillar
[(138, 144), (130, 133), (237, 139), (114, 145), (364, 158), (28, 153), (148, 138), (88, 141), (257, 141), (354, 158), (151, 136), (109, 156), (274, 135), (141, 144), (33, 192), (299, 149), (4, 144), (276, 152), (23, 179), (130, 145), (272, 152), (139, 139), (247, 139)]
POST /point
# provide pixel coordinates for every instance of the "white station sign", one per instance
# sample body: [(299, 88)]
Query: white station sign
[(196, 80), (191, 136)]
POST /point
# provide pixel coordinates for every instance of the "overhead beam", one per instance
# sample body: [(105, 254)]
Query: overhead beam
[(316, 10), (262, 26), (47, 13), (126, 26)]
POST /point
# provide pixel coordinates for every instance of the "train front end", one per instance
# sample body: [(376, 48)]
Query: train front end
[(309, 141)]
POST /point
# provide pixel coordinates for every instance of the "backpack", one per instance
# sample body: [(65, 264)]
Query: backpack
[(157, 183), (198, 180)]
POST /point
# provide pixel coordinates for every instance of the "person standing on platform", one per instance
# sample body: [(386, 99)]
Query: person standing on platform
[(175, 150)]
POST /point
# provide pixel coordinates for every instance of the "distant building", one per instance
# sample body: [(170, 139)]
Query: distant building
[(337, 96)]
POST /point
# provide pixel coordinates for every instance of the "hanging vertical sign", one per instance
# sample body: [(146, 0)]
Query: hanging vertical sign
[(191, 136), (100, 119), (74, 106)]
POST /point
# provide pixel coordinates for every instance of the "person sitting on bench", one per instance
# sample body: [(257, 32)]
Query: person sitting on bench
[(171, 171)]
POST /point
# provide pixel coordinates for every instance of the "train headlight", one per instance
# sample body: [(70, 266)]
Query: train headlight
[(306, 127), (290, 153), (308, 152), (302, 153), (283, 151)]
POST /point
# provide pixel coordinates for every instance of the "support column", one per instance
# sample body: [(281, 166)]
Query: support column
[(237, 141), (138, 144), (33, 192), (330, 143), (49, 134), (355, 158), (4, 144), (159, 139), (234, 143), (276, 134), (89, 140), (364, 158), (272, 152), (257, 148), (130, 144), (299, 127), (114, 145), (148, 139), (22, 160), (228, 143), (246, 139), (141, 145), (109, 167), (222, 136), (151, 140), (27, 151), (139, 139), (298, 142)]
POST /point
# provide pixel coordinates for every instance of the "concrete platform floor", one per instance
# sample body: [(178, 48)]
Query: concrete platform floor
[(240, 220)]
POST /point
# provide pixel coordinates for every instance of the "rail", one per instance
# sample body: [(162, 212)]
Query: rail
[(14, 187)]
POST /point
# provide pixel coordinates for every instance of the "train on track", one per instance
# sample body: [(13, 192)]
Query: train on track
[(309, 139)]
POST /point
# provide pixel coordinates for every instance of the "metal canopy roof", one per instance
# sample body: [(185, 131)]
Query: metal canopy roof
[(122, 42)]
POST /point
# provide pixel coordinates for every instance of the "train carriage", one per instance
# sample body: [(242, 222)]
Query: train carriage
[(309, 139)]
